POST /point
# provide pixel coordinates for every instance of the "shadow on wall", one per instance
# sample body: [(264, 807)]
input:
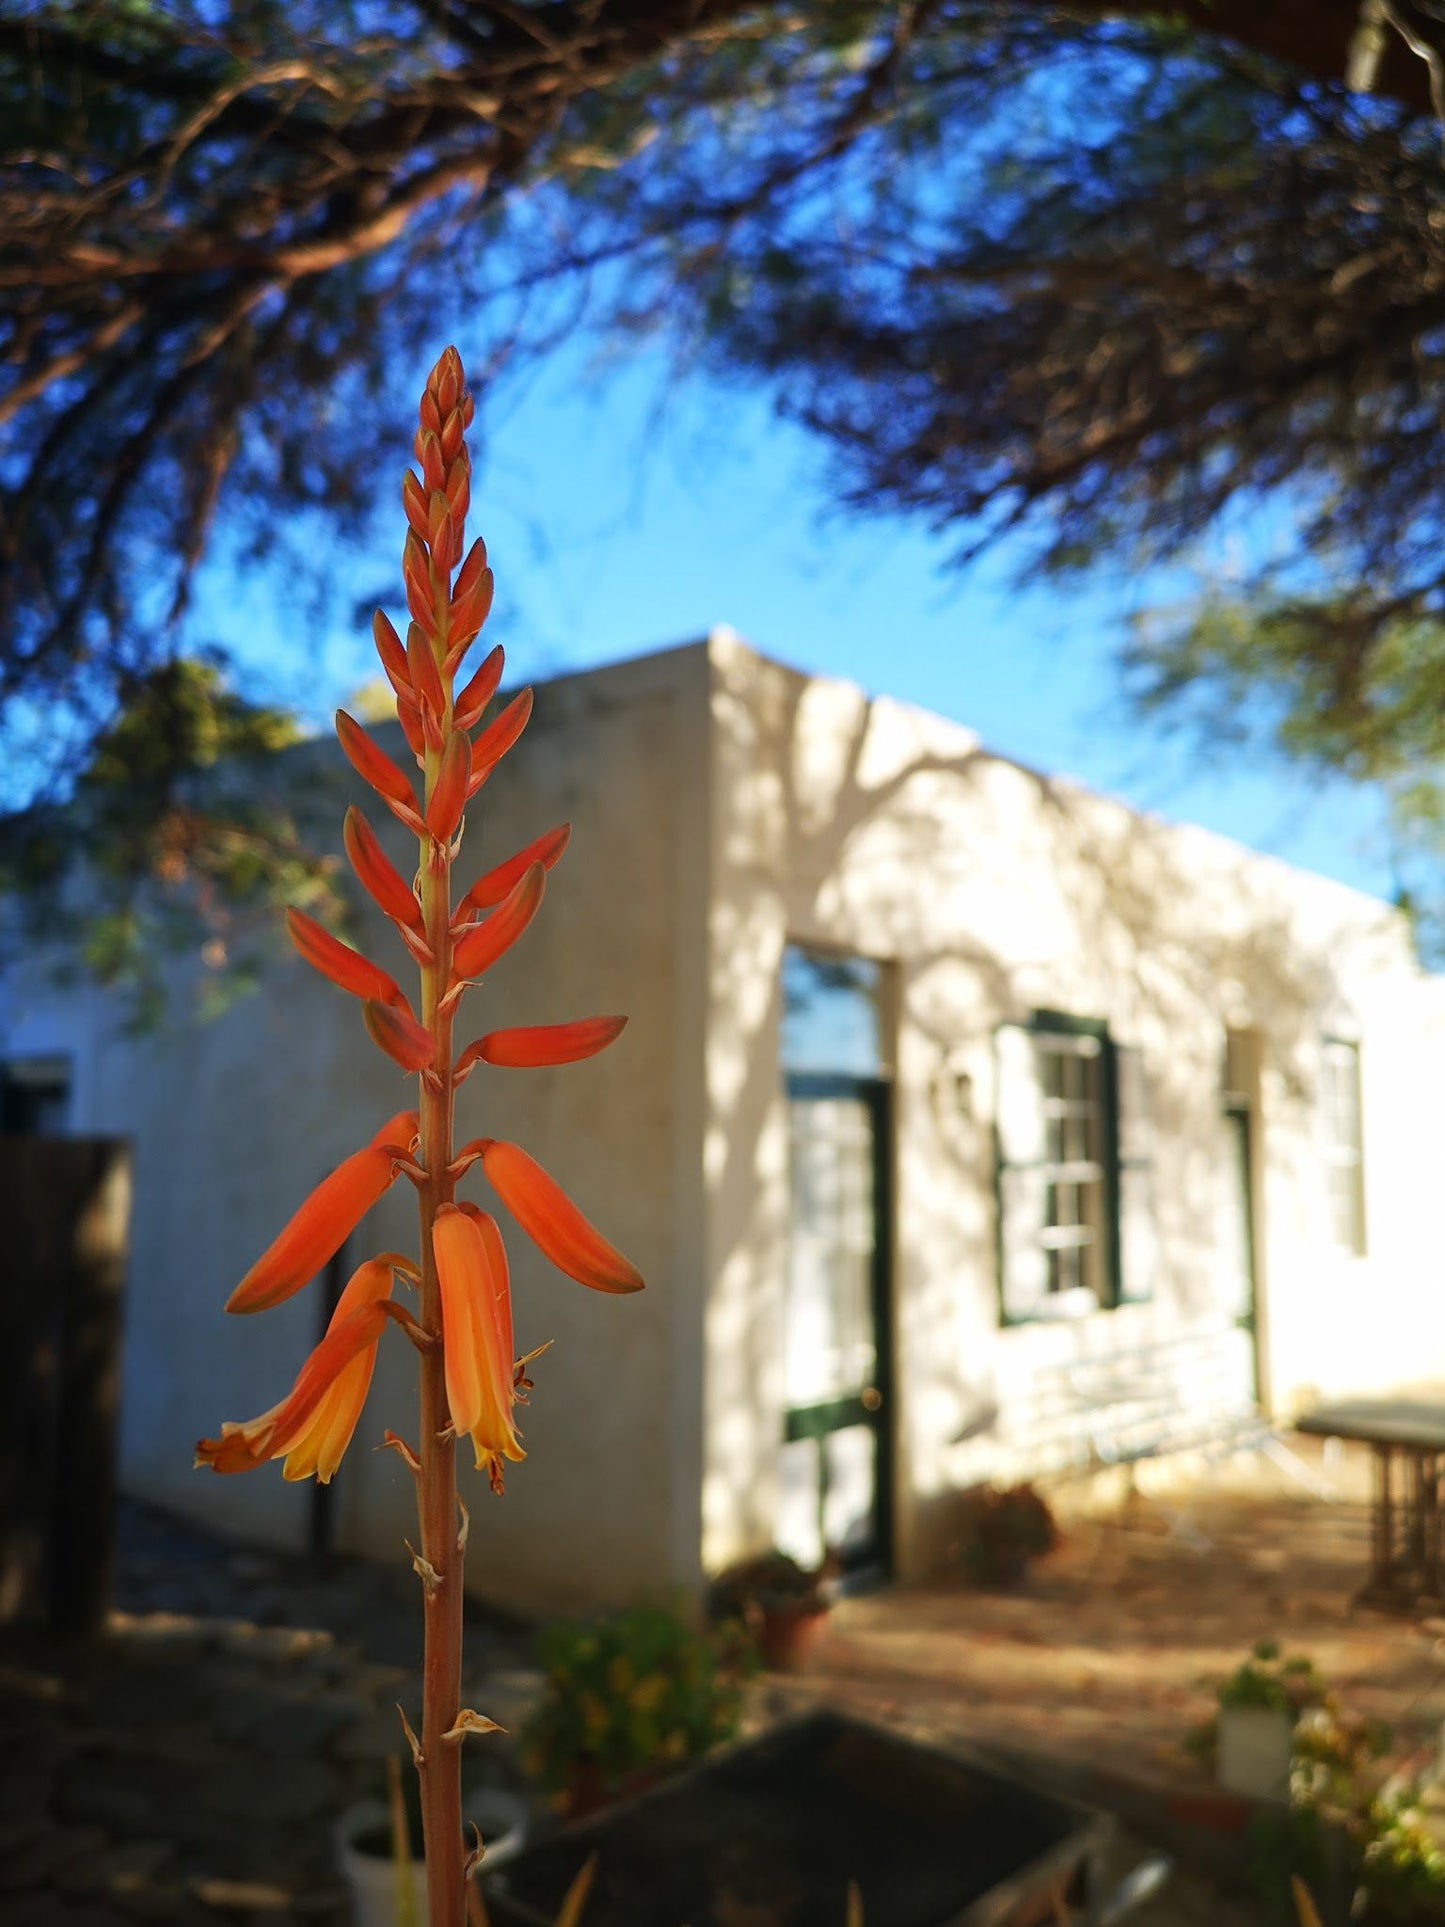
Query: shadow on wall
[(996, 891)]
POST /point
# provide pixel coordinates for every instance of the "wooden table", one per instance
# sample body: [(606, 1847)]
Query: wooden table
[(1408, 1435)]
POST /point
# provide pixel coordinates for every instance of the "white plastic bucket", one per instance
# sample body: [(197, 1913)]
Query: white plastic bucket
[(501, 1818)]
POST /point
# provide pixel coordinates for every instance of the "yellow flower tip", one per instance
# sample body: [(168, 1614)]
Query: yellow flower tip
[(312, 1427)]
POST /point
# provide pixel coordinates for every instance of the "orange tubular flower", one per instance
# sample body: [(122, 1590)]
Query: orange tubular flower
[(328, 1217), (530, 1046), (338, 961), (376, 768), (474, 696), (489, 890), (449, 798), (553, 1223), (378, 875), (477, 1333), (497, 738), (479, 949), (312, 1426), (397, 1032), (391, 653)]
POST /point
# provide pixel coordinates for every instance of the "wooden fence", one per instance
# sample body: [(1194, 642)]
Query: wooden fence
[(64, 1230)]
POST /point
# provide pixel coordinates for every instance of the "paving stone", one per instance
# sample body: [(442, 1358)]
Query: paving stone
[(18, 1834), (40, 1910), (370, 1739), (32, 1863), (306, 1725), (161, 1631), (125, 1802), (242, 1896), (23, 1796), (115, 1872)]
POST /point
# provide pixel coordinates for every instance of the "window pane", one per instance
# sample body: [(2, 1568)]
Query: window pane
[(1070, 1076), (831, 1017), (1340, 1120), (830, 1330)]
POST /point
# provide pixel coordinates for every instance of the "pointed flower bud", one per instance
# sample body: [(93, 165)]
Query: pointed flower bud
[(449, 797), (429, 454), (397, 1032), (468, 613), (413, 500), (385, 884), (474, 953), (491, 888), (477, 1331), (553, 1223), (326, 1220), (390, 652), (471, 570), (339, 962), (479, 691), (446, 384), (426, 678), (532, 1045), (409, 716), (498, 737), (373, 765)]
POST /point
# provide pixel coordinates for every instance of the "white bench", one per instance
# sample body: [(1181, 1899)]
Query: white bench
[(1184, 1394)]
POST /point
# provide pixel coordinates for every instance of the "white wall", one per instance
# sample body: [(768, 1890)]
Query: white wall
[(234, 1121), (883, 830), (723, 806)]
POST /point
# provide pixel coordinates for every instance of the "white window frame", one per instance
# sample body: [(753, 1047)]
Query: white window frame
[(1057, 1142)]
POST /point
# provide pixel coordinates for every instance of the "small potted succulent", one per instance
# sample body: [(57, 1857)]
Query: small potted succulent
[(1001, 1531), (783, 1606), (628, 1699), (1259, 1707)]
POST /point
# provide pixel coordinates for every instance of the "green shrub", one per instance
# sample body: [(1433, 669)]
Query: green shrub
[(631, 1694)]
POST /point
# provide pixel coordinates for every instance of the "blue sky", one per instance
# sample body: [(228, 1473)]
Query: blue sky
[(627, 509)]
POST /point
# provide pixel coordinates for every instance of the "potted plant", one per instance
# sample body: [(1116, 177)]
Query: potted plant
[(366, 1843), (627, 1699), (1259, 1706), (1001, 1531), (782, 1605)]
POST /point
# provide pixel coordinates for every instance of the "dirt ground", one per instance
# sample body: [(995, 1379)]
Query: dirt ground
[(1109, 1652), (190, 1766)]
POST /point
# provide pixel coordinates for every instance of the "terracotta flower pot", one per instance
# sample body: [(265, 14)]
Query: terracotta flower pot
[(789, 1635)]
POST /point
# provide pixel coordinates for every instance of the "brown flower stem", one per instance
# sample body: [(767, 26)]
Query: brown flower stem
[(439, 1767)]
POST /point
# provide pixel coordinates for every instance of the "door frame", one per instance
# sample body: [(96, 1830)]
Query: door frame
[(816, 1421)]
